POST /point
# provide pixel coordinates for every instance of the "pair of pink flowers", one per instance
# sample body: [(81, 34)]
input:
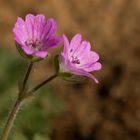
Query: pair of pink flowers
[(36, 35)]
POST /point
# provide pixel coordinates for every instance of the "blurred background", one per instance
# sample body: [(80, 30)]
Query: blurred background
[(66, 111)]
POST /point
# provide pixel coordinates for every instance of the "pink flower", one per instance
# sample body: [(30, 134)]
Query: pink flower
[(35, 35), (78, 59)]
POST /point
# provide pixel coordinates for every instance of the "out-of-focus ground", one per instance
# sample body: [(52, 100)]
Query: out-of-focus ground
[(108, 111)]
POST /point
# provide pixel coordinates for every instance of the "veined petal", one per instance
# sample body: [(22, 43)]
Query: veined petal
[(94, 56), (52, 42), (39, 24), (74, 44), (19, 37), (30, 20), (83, 50), (20, 29), (27, 50), (22, 26), (83, 73), (93, 67), (50, 28), (40, 18), (41, 54), (88, 58), (66, 45)]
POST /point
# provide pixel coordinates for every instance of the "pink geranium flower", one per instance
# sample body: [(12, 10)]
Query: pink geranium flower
[(36, 34), (78, 59)]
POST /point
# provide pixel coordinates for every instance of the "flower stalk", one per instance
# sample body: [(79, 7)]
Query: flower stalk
[(19, 101), (16, 107), (31, 92), (43, 83), (27, 76), (11, 118)]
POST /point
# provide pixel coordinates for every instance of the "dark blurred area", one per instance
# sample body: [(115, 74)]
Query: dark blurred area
[(66, 111)]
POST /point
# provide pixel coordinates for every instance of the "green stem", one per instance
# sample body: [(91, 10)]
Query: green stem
[(18, 103), (13, 113), (27, 75), (11, 119), (30, 92), (43, 83)]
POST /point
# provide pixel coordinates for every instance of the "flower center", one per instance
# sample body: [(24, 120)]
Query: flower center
[(36, 45), (75, 60)]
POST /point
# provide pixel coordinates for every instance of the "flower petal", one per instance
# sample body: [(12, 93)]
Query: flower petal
[(20, 24), (66, 44), (83, 50), (88, 58), (52, 42), (30, 20), (50, 28), (93, 67), (74, 44), (39, 24), (20, 31), (41, 54), (84, 73), (27, 50)]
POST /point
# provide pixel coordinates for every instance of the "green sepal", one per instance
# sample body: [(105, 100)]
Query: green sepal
[(65, 74), (56, 63), (75, 79), (71, 77)]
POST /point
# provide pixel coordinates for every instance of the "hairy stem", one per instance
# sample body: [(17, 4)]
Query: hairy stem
[(19, 101), (27, 75), (43, 83), (11, 118), (13, 113), (30, 93)]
